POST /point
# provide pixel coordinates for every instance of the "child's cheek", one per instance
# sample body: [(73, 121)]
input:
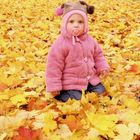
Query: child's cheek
[(69, 29)]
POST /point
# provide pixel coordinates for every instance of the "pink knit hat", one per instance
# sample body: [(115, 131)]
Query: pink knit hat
[(69, 8)]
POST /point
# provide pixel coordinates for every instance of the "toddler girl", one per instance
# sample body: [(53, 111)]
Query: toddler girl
[(75, 60)]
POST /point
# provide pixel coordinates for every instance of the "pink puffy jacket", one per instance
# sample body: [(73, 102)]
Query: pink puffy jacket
[(73, 66)]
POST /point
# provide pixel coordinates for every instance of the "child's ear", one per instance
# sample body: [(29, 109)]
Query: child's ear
[(90, 9)]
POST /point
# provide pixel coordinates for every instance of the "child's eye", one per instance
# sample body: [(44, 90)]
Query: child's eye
[(71, 21), (80, 21)]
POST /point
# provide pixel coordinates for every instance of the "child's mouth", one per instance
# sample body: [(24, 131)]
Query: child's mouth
[(76, 31)]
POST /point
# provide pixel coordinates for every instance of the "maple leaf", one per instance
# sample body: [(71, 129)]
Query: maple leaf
[(92, 98), (50, 124), (129, 115), (18, 138), (134, 128), (7, 122), (5, 107), (3, 86), (83, 98), (64, 131), (3, 136), (134, 68), (72, 122), (71, 107), (124, 132), (101, 121), (27, 134), (54, 137), (4, 97), (34, 104), (18, 99), (131, 103), (24, 45), (93, 134)]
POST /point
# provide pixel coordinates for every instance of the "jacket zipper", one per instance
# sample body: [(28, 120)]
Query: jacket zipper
[(86, 61)]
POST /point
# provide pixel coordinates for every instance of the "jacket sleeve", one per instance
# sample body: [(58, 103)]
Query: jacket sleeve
[(54, 67), (100, 61)]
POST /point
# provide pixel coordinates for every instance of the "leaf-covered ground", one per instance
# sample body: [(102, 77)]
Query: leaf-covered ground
[(27, 29)]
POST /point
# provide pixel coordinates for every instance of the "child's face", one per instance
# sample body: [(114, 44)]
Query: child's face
[(75, 25)]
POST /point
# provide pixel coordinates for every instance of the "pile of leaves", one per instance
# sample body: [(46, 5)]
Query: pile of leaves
[(27, 112)]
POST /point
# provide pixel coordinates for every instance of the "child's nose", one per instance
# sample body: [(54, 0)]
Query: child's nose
[(75, 24)]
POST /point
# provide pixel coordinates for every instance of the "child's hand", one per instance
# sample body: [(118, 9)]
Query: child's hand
[(55, 93), (104, 73)]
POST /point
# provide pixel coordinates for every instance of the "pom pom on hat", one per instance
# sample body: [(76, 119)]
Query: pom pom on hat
[(90, 9), (59, 11)]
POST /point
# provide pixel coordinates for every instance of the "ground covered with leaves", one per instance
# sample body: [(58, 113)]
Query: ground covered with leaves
[(27, 29)]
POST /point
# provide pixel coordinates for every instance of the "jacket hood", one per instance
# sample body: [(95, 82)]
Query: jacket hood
[(65, 18)]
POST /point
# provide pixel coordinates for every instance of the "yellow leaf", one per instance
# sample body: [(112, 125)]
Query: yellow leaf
[(4, 97), (83, 98), (64, 131), (7, 123), (93, 134), (131, 103), (70, 107), (124, 132), (101, 121), (129, 115), (92, 97), (50, 124), (76, 135), (54, 137), (18, 99), (124, 137), (134, 128), (21, 59), (40, 52), (39, 121), (2, 136), (122, 129), (44, 26), (2, 42)]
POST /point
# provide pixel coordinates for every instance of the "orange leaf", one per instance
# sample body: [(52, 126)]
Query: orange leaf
[(18, 138), (31, 104), (3, 86), (72, 122), (3, 64), (34, 104), (134, 68), (27, 134)]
